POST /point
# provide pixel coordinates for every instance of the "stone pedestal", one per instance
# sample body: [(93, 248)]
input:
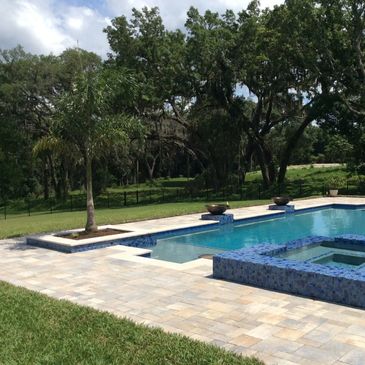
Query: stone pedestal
[(221, 218), (289, 208)]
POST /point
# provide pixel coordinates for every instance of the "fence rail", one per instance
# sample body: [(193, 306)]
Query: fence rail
[(248, 191)]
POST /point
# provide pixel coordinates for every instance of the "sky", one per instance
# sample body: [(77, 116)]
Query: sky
[(51, 26)]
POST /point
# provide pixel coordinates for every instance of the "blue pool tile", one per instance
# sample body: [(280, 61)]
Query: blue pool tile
[(258, 266)]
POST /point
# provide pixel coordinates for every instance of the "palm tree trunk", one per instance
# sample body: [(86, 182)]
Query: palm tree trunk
[(90, 222)]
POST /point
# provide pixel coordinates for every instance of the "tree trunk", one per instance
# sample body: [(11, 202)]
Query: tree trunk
[(66, 185), (188, 166), (290, 146), (45, 181), (136, 175), (151, 167), (64, 180), (271, 165), (264, 168), (90, 222), (266, 163), (55, 183)]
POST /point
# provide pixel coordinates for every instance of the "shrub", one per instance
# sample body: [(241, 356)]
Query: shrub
[(336, 182)]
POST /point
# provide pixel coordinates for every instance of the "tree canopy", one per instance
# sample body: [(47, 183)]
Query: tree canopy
[(227, 94)]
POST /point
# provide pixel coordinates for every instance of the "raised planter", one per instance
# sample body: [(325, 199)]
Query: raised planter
[(333, 192)]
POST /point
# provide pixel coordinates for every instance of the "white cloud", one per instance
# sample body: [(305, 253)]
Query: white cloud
[(30, 23), (44, 26), (174, 12), (75, 23), (85, 26)]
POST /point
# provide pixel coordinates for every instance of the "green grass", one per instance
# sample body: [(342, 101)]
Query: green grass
[(165, 183), (42, 221), (35, 329), (309, 174), (21, 224), (177, 189), (309, 181)]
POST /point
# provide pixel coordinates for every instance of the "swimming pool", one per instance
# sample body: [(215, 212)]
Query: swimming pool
[(327, 221)]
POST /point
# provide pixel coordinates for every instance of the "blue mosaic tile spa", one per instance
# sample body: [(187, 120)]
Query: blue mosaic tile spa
[(325, 268)]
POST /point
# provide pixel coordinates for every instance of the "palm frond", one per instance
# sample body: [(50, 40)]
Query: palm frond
[(46, 144)]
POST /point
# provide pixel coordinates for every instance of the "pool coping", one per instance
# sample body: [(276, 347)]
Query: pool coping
[(143, 238)]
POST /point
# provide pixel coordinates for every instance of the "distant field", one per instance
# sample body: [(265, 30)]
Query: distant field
[(311, 172), (316, 172), (307, 172)]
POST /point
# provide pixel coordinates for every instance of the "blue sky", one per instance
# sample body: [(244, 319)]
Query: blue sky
[(45, 26)]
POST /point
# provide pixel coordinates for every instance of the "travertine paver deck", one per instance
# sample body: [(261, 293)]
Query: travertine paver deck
[(278, 328)]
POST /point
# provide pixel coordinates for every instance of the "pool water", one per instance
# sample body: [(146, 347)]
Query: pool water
[(333, 254), (324, 222)]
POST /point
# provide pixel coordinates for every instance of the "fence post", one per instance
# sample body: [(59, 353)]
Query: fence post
[(28, 207), (347, 186), (259, 191), (300, 188), (50, 200), (150, 196), (71, 201), (5, 209), (137, 197), (163, 194), (108, 199), (125, 198)]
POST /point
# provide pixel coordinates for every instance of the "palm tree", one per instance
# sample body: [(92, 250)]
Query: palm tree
[(86, 127)]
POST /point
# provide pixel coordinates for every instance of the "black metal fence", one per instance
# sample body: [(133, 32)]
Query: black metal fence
[(248, 191)]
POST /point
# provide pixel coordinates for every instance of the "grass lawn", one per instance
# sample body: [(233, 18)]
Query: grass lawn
[(304, 181), (19, 225), (35, 329), (307, 173), (166, 183), (41, 220)]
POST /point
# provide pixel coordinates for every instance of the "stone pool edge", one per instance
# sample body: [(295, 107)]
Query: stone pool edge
[(145, 239)]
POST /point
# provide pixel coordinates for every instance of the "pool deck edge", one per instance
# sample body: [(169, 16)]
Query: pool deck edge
[(144, 231)]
